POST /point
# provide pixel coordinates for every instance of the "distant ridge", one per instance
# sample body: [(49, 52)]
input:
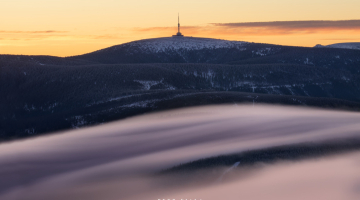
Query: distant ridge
[(353, 45)]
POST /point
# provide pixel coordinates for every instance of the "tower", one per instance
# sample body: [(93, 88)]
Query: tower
[(178, 34)]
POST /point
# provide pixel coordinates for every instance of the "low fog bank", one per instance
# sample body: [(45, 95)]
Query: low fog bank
[(330, 178), (113, 161)]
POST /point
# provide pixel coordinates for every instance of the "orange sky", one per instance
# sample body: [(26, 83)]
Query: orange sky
[(71, 27)]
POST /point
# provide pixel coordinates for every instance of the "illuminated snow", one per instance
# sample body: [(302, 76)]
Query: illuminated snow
[(184, 43)]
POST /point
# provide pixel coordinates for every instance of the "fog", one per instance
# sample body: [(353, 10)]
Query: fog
[(117, 160)]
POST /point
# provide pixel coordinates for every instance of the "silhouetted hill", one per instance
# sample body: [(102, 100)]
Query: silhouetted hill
[(21, 60), (42, 98), (40, 94), (350, 45)]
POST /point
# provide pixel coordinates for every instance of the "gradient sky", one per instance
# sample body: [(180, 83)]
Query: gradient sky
[(71, 27)]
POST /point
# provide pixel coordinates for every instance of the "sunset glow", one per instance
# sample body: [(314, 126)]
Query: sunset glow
[(65, 28)]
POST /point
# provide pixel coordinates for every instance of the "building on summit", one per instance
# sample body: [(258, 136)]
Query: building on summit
[(178, 34)]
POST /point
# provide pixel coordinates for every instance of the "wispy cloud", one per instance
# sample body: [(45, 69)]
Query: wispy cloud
[(291, 27), (343, 39), (52, 35), (264, 28), (32, 32), (341, 24), (31, 35)]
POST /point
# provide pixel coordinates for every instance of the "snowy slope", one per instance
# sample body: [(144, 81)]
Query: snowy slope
[(206, 50), (185, 43), (354, 45), (170, 50)]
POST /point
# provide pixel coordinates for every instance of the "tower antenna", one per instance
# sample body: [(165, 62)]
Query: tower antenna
[(178, 33)]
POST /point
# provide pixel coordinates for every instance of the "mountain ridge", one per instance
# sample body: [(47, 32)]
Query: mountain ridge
[(43, 94), (348, 45), (215, 51)]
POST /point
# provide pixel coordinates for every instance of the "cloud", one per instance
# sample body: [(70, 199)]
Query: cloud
[(33, 32), (262, 28), (121, 160), (31, 35), (52, 35), (292, 27), (342, 24), (343, 39)]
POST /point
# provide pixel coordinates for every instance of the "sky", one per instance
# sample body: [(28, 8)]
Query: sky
[(73, 27)]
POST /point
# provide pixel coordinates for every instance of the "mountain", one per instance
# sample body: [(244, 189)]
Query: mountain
[(354, 46), (42, 94), (204, 50), (168, 50)]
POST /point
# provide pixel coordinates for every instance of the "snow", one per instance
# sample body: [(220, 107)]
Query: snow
[(345, 78), (183, 43), (296, 100), (140, 104), (147, 84), (52, 106), (307, 62), (27, 108), (355, 45), (170, 87), (78, 121), (114, 99), (253, 88), (30, 131), (289, 88), (263, 51), (211, 74)]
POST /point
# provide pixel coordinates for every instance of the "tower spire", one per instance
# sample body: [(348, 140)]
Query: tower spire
[(178, 23), (178, 33)]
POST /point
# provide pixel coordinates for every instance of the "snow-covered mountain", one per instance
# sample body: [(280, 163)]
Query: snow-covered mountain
[(346, 45), (176, 50), (215, 51), (354, 45), (157, 45)]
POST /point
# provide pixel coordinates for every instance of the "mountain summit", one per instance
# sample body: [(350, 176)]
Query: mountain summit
[(164, 44), (216, 51), (167, 50)]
